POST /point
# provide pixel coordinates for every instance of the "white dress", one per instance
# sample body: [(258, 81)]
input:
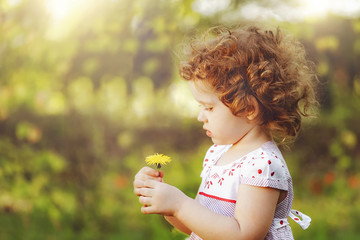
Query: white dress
[(263, 167)]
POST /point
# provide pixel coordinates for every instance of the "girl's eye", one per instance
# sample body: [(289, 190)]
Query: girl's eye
[(206, 108)]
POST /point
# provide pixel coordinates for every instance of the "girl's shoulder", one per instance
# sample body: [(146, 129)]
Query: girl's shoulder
[(267, 154), (265, 167)]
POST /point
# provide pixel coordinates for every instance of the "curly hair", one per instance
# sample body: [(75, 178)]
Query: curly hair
[(249, 62)]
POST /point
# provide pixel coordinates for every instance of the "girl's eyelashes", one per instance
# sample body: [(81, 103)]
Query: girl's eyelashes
[(206, 108)]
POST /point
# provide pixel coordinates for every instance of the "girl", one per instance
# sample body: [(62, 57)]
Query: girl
[(254, 86)]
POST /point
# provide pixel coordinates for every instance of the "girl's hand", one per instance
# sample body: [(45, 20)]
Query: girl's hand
[(160, 198), (146, 173)]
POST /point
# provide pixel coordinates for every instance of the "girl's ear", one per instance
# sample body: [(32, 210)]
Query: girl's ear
[(254, 112)]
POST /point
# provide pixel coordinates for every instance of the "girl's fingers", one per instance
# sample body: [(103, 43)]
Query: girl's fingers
[(144, 177), (143, 191), (151, 172), (146, 201), (148, 209), (138, 183), (147, 173), (151, 183), (137, 191)]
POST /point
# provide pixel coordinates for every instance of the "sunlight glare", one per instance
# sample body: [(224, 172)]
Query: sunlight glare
[(64, 15), (60, 9), (316, 8), (282, 11), (320, 8), (210, 7)]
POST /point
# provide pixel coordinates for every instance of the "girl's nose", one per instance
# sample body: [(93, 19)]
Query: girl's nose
[(201, 117)]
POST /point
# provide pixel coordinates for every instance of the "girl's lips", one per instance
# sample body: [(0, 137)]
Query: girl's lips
[(208, 133)]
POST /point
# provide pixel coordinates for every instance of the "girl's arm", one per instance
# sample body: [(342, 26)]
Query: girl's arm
[(177, 224), (254, 211)]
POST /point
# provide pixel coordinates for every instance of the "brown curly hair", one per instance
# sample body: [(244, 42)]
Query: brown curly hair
[(250, 62)]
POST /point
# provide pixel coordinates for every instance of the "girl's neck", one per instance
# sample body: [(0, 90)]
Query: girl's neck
[(254, 139)]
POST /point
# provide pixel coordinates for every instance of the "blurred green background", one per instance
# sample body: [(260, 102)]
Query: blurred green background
[(89, 88)]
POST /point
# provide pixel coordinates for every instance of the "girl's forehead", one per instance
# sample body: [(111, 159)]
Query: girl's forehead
[(202, 92)]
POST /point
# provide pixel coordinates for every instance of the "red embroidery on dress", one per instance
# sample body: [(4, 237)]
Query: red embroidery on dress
[(220, 181), (272, 174), (215, 175), (269, 162), (208, 184), (231, 172), (259, 171)]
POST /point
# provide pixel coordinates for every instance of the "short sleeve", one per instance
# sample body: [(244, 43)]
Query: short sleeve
[(265, 170)]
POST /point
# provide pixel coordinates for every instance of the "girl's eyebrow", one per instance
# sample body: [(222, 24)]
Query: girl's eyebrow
[(204, 103)]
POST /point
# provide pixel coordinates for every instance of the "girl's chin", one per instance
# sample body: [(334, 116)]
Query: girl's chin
[(220, 142), (217, 142)]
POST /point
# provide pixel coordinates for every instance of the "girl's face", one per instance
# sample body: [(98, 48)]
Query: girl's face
[(219, 123)]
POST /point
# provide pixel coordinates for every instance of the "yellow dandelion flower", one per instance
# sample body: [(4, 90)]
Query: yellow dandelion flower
[(158, 160)]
